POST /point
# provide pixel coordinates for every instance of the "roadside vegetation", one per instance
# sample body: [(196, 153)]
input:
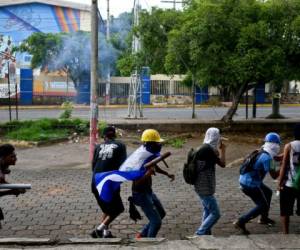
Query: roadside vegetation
[(176, 142), (43, 129)]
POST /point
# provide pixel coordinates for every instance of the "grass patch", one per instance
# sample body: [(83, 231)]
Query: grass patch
[(44, 129), (36, 134), (176, 142)]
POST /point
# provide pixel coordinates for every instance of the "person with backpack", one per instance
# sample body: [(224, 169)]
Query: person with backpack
[(289, 179), (251, 182), (108, 156), (212, 152), (142, 193)]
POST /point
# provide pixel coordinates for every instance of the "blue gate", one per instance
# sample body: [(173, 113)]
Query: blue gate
[(201, 94), (26, 86), (146, 85)]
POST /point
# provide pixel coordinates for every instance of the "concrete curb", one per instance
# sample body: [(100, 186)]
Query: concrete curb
[(265, 241), (194, 125), (145, 106), (108, 241), (79, 241), (26, 241)]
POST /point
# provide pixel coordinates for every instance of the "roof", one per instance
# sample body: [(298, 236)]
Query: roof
[(60, 3)]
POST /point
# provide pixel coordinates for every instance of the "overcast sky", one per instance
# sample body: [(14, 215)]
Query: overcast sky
[(119, 6)]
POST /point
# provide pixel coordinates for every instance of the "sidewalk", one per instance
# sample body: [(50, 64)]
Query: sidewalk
[(270, 241)]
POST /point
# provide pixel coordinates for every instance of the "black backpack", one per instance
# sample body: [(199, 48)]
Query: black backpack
[(249, 161), (190, 168)]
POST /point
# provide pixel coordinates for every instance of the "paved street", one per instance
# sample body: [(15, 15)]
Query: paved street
[(109, 114), (60, 203)]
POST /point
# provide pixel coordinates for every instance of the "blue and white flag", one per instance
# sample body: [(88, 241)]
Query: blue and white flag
[(137, 159), (108, 182), (132, 169)]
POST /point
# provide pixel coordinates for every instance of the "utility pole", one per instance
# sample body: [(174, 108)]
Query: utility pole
[(107, 85), (8, 85), (94, 78), (135, 106), (193, 96)]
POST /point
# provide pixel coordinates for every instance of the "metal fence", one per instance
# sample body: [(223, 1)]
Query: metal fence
[(119, 87)]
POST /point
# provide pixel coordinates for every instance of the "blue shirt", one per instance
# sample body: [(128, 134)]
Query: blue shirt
[(260, 169)]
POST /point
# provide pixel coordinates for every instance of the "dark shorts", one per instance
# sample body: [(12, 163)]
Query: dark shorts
[(112, 208), (288, 196)]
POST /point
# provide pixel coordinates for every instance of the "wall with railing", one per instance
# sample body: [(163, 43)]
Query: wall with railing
[(55, 89)]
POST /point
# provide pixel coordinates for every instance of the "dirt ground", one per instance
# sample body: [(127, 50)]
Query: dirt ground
[(72, 155)]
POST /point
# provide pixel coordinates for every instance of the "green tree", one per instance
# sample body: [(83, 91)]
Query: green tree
[(41, 46), (232, 43), (69, 52), (153, 32)]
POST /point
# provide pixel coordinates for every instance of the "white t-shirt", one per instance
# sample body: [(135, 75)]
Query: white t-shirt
[(294, 162)]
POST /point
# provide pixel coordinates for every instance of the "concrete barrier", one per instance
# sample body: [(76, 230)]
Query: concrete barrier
[(184, 126)]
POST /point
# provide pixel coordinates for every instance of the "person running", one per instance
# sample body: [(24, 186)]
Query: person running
[(108, 156), (288, 182), (142, 193), (8, 158), (212, 152), (252, 185)]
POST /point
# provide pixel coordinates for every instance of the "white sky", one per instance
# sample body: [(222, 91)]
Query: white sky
[(119, 6)]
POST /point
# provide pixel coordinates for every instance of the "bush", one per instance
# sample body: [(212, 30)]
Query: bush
[(101, 125), (68, 109), (44, 129)]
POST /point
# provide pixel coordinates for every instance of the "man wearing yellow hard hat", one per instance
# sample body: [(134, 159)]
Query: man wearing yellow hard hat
[(142, 193)]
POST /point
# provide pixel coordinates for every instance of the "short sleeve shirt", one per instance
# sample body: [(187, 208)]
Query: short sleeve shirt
[(206, 171), (255, 178), (109, 156)]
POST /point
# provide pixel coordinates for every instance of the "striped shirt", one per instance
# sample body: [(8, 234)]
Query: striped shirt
[(206, 171)]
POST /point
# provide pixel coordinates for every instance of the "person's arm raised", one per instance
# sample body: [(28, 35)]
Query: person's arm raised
[(222, 160)]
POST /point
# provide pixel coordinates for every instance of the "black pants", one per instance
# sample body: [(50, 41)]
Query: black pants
[(113, 208)]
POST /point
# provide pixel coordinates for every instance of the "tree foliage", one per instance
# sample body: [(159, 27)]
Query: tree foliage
[(152, 31), (232, 43), (69, 52)]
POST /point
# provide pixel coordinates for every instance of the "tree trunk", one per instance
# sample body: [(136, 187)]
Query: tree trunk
[(235, 103), (275, 108)]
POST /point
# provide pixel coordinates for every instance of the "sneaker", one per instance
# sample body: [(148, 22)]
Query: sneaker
[(96, 234), (266, 221), (191, 237), (241, 227), (108, 235)]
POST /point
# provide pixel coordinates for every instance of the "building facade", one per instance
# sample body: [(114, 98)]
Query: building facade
[(20, 18)]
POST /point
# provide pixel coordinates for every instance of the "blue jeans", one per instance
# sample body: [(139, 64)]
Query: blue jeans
[(211, 214), (152, 209), (261, 196)]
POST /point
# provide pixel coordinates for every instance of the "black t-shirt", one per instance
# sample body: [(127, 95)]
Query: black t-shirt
[(108, 156)]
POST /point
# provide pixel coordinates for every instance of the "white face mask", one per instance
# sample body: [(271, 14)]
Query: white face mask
[(212, 137), (272, 148)]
